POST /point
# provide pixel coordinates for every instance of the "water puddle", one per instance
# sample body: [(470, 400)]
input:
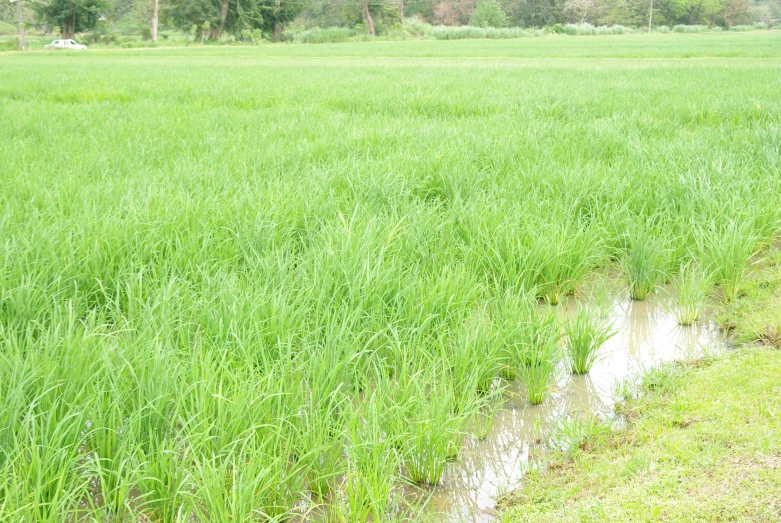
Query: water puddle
[(647, 334)]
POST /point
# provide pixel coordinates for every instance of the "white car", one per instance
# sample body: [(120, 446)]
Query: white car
[(65, 44)]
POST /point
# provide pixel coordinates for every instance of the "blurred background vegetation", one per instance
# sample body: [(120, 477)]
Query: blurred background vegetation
[(128, 23)]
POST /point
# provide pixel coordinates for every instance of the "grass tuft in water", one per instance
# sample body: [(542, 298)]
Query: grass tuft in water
[(586, 333), (540, 356), (642, 263), (691, 287), (728, 248)]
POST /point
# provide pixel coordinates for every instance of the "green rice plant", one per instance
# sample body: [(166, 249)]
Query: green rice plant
[(320, 437), (371, 479), (642, 263), (115, 471), (585, 335), (540, 356), (560, 256), (727, 249), (539, 374), (676, 237), (242, 487), (601, 295), (318, 431), (473, 358), (514, 315), (165, 479), (691, 287), (435, 430), (484, 418)]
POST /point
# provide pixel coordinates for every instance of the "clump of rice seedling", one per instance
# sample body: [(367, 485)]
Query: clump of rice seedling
[(600, 295), (509, 311), (320, 439), (641, 264), (484, 418), (560, 256), (473, 357), (691, 286), (540, 356), (728, 250), (165, 479), (373, 463), (239, 485), (435, 431), (585, 335)]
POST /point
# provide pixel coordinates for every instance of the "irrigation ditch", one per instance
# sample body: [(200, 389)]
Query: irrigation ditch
[(647, 334)]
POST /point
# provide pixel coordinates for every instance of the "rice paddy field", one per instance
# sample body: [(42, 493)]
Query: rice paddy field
[(240, 283)]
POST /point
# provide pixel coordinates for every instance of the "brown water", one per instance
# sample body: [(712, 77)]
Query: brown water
[(647, 334)]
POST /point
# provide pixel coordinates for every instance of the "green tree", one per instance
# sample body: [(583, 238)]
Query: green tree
[(537, 13), (277, 14), (488, 13), (189, 13), (579, 8), (672, 12), (220, 15), (72, 16), (705, 11), (737, 12)]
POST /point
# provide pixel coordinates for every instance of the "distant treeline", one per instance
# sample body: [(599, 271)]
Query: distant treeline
[(544, 13), (251, 20)]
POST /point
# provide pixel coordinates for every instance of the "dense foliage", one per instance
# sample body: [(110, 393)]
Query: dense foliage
[(71, 16), (488, 13), (540, 13)]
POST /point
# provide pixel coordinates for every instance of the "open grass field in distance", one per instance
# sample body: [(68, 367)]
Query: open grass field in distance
[(235, 280)]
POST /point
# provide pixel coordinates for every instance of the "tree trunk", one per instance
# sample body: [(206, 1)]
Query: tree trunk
[(401, 13), (277, 31), (367, 17), (20, 19), (69, 28), (155, 7), (217, 33), (650, 15)]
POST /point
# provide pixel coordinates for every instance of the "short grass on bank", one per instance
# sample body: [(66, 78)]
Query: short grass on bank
[(703, 444)]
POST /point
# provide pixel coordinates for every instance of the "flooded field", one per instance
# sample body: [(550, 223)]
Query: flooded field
[(238, 281), (647, 334)]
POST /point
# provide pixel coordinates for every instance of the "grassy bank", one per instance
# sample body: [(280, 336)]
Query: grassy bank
[(703, 443)]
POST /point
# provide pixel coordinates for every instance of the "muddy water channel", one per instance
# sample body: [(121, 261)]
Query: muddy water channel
[(647, 335)]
